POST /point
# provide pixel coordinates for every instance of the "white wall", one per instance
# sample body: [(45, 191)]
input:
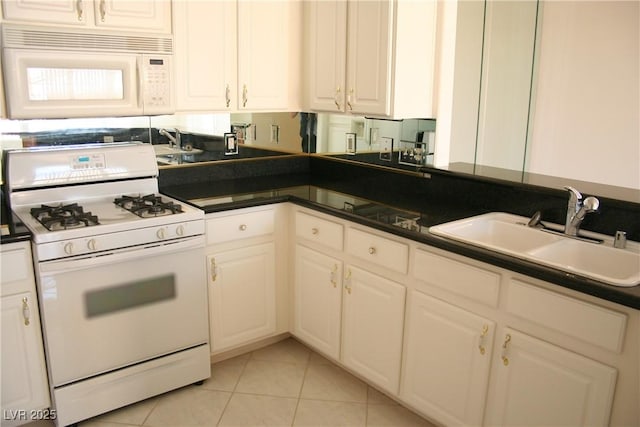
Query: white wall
[(586, 122)]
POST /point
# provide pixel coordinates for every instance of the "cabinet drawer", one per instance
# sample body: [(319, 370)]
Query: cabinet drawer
[(16, 268), (240, 226), (319, 230), (457, 277), (379, 250), (585, 321)]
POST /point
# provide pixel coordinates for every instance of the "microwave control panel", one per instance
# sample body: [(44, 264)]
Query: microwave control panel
[(156, 75)]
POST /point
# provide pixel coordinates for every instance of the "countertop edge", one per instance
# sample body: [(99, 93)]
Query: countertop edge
[(619, 295)]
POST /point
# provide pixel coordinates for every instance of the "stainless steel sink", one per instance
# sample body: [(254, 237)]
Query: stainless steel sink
[(509, 234)]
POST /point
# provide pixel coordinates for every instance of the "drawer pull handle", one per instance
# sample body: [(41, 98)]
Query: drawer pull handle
[(314, 231), (242, 227), (79, 9), (334, 270), (505, 349), (347, 281), (372, 250), (483, 334), (103, 10), (26, 311), (214, 270)]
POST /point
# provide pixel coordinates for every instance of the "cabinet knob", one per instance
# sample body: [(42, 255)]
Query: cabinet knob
[(242, 227), (245, 97), (372, 250), (314, 231), (336, 98), (227, 95)]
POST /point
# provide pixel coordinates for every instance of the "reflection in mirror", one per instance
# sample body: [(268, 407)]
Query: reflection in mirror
[(405, 144)]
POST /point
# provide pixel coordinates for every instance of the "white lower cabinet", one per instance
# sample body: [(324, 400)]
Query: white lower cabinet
[(242, 295), (373, 323), (25, 390), (318, 300), (246, 279), (536, 383), (447, 361)]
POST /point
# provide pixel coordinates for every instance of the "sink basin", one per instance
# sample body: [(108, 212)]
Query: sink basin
[(166, 150), (509, 234), (497, 231), (599, 262)]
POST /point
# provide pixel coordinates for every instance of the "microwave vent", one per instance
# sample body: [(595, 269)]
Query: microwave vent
[(46, 38)]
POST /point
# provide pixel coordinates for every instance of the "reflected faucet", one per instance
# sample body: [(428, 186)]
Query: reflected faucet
[(577, 209), (175, 141)]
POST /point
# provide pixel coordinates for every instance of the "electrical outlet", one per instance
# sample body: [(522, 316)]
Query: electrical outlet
[(275, 133), (375, 134)]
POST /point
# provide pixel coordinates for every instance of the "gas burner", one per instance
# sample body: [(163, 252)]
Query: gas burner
[(147, 206), (62, 217)]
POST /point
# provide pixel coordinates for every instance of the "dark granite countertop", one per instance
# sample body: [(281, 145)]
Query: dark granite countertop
[(383, 213)]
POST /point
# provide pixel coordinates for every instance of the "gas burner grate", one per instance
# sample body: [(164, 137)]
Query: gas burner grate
[(147, 206), (62, 217)]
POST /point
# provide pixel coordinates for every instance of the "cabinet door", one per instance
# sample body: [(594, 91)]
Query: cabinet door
[(70, 12), (537, 383), (205, 55), (326, 52), (150, 15), (242, 295), (24, 376), (267, 70), (447, 361), (373, 319), (318, 300), (369, 57)]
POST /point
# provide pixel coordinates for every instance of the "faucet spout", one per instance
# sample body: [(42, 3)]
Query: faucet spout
[(175, 141), (577, 210)]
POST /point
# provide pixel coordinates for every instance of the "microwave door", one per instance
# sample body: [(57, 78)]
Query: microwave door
[(58, 84)]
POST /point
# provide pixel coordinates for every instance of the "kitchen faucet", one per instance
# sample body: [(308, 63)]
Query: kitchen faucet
[(577, 209), (172, 140)]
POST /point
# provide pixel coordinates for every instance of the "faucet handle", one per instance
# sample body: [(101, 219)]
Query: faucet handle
[(573, 193)]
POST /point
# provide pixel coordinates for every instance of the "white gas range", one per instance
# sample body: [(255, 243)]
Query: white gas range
[(120, 272)]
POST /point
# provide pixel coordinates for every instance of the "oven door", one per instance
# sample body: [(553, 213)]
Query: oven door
[(107, 312)]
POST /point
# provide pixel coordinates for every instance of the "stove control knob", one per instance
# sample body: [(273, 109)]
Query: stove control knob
[(180, 230), (91, 245), (160, 233), (68, 248)]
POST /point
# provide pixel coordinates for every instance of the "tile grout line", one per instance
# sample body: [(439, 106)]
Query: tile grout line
[(235, 386), (304, 378)]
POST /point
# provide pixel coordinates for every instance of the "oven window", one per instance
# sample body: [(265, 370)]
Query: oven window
[(130, 295)]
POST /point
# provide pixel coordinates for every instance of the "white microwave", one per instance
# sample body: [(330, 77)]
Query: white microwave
[(64, 73)]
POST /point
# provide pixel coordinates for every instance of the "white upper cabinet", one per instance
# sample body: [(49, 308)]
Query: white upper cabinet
[(151, 15), (205, 55), (370, 57), (238, 55)]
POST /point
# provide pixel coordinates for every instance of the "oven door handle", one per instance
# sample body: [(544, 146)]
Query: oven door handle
[(128, 254)]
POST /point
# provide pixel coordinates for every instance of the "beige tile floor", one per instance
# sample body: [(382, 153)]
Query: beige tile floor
[(284, 384)]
